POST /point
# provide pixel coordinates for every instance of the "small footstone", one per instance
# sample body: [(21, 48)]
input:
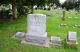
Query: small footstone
[(56, 41), (19, 35)]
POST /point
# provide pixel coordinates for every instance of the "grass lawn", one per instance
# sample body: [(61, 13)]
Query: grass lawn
[(7, 29)]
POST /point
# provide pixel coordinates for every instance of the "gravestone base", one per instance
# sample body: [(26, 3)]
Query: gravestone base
[(36, 40), (41, 45), (72, 45)]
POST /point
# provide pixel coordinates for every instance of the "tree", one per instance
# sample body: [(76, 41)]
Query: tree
[(14, 9), (68, 5), (41, 3), (77, 6), (57, 2), (32, 3), (20, 6)]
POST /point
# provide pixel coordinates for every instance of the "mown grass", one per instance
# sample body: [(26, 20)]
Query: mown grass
[(8, 28)]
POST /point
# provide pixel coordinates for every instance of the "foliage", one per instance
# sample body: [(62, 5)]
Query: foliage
[(68, 5), (53, 2), (30, 4), (77, 5)]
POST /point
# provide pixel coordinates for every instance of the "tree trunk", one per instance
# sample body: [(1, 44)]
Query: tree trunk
[(14, 9), (32, 10), (64, 15), (32, 5)]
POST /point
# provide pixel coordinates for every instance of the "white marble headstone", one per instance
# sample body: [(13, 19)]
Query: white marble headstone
[(36, 25), (72, 36), (36, 30)]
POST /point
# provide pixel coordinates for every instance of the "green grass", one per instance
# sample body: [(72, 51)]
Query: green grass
[(7, 29)]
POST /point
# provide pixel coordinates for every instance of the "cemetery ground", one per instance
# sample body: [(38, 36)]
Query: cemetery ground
[(7, 30)]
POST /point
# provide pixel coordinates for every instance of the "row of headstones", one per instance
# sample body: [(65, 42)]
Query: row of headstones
[(71, 40), (74, 26), (53, 13), (63, 15)]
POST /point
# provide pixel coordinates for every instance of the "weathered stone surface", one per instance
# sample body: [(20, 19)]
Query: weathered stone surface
[(72, 36), (36, 31), (56, 41), (20, 34), (36, 40), (36, 25), (72, 39)]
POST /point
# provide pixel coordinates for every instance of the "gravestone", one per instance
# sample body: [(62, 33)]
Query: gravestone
[(72, 40), (56, 41), (36, 25), (63, 25), (76, 26), (49, 13), (36, 31), (19, 35)]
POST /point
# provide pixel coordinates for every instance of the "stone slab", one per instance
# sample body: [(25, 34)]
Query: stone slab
[(36, 40), (56, 40)]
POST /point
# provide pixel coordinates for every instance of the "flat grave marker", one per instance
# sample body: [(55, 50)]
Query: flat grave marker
[(56, 41)]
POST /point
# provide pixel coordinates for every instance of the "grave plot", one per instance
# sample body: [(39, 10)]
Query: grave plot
[(36, 31)]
